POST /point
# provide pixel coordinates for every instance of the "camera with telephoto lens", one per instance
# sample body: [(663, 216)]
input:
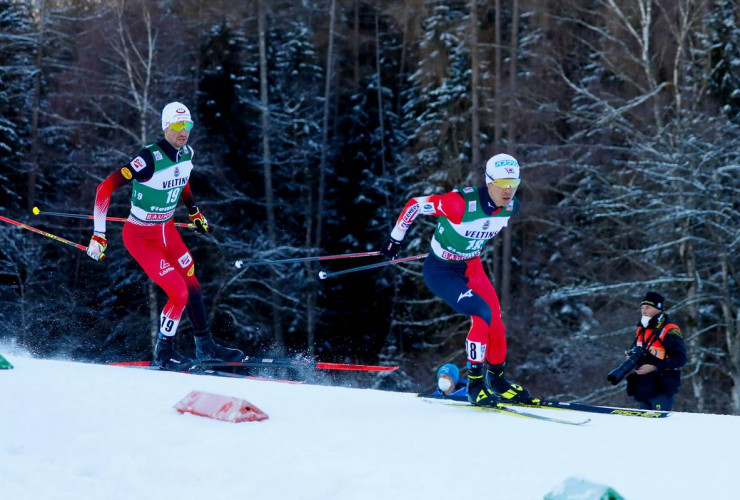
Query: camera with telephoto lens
[(635, 358)]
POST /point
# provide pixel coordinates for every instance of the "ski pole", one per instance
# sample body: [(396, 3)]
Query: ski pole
[(252, 361), (240, 263), (37, 211), (330, 274), (39, 231)]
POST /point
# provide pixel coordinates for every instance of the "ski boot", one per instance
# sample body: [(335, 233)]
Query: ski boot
[(206, 349), (508, 392), (167, 358), (478, 393)]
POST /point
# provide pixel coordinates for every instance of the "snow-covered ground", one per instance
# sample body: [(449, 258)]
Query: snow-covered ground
[(82, 431)]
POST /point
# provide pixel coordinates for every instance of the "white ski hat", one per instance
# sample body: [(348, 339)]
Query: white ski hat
[(501, 166), (175, 112)]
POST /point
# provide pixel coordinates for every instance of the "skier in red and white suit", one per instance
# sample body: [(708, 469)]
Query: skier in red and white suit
[(160, 176), (468, 218)]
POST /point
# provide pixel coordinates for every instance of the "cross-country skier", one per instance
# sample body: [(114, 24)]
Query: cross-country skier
[(160, 174), (468, 218)]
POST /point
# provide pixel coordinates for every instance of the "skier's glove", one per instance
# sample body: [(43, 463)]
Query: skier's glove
[(97, 246), (199, 221), (391, 249)]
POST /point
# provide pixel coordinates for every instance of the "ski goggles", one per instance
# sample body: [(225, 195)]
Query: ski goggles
[(506, 183), (180, 126)]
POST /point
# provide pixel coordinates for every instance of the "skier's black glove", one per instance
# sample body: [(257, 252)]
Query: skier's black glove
[(391, 249)]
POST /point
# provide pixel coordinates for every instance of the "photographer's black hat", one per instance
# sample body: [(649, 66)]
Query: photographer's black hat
[(653, 299)]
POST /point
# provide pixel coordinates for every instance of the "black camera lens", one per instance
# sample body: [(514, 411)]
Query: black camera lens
[(635, 357)]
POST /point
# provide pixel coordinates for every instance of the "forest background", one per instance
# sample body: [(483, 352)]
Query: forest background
[(315, 122)]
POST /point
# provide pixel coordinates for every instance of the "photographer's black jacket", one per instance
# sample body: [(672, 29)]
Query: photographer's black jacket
[(664, 341)]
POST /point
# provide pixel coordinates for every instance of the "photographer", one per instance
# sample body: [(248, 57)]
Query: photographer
[(655, 381)]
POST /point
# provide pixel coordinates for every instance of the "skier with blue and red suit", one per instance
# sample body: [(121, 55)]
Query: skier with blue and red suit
[(468, 218), (160, 174)]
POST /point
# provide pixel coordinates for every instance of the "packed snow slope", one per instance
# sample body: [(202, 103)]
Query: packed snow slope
[(82, 431)]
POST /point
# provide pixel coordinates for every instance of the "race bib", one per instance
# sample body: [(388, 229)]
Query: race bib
[(476, 351)]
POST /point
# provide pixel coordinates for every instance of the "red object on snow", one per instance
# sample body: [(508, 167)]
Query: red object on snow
[(220, 407)]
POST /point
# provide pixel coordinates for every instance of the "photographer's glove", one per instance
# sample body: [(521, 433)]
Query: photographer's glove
[(391, 249), (199, 221), (651, 359), (97, 246)]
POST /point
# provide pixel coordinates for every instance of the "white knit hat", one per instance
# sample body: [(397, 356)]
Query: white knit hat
[(175, 112), (501, 166)]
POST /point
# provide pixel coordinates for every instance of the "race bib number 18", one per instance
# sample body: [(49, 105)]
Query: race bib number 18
[(476, 351)]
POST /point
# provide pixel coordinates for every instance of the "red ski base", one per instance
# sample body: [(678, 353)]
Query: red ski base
[(227, 408)]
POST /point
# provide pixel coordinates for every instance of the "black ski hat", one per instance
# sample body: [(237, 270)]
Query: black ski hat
[(653, 299)]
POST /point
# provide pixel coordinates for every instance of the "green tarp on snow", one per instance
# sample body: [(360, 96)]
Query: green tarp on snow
[(574, 488), (4, 363)]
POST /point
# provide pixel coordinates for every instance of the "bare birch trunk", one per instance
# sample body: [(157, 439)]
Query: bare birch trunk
[(511, 149), (267, 165), (34, 132), (692, 317), (474, 91), (138, 68), (381, 121), (732, 334), (499, 243), (313, 292), (325, 127)]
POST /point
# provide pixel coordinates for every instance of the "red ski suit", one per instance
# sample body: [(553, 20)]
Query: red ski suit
[(459, 278), (163, 256), (157, 246)]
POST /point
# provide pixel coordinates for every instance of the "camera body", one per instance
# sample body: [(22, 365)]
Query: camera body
[(635, 357)]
